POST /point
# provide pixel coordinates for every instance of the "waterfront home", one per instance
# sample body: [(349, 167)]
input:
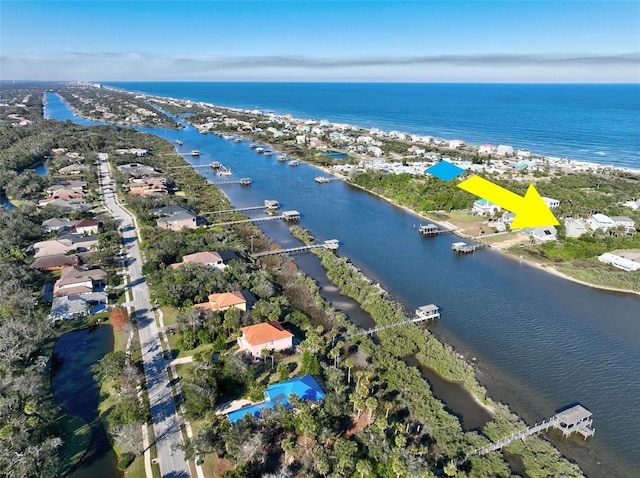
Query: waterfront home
[(486, 149), (148, 186), (207, 258), (602, 222), (550, 202), (482, 207), (504, 150), (223, 301), (626, 222), (543, 234), (455, 143), (265, 336), (168, 210), (619, 262), (177, 221), (305, 388)]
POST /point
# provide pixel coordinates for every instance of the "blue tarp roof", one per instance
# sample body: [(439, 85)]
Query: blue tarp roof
[(305, 387)]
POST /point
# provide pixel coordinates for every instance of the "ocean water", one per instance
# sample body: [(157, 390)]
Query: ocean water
[(596, 123)]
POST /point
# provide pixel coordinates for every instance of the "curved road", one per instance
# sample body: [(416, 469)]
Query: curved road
[(166, 425)]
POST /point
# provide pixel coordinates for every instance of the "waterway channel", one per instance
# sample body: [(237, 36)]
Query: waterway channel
[(76, 392), (540, 343)]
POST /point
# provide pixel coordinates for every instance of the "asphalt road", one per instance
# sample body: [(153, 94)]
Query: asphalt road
[(163, 408)]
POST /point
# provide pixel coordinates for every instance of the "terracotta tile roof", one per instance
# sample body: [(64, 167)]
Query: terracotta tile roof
[(265, 332), (86, 223), (222, 301), (206, 257)]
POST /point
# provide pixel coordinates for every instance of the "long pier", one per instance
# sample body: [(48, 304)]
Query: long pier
[(331, 245), (426, 312), (242, 181), (253, 208), (574, 419), (243, 221)]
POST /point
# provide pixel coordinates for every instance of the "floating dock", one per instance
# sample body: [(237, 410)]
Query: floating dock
[(321, 179)]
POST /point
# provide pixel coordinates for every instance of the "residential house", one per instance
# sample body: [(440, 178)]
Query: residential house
[(550, 202), (56, 224), (73, 169), (265, 336), (626, 222), (75, 280), (147, 186), (482, 207), (455, 143), (543, 234), (619, 262), (633, 204), (224, 301), (504, 150), (177, 221), (304, 387), (55, 262), (85, 227), (600, 221), (208, 258)]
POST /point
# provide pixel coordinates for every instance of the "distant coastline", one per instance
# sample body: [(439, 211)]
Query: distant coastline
[(539, 117)]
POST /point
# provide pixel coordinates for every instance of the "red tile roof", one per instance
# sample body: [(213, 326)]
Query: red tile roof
[(264, 333), (222, 301)]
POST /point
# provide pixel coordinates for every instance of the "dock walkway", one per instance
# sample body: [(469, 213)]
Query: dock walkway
[(331, 245), (426, 312), (574, 419)]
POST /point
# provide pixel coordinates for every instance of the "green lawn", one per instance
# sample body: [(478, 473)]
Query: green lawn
[(76, 435), (169, 315)]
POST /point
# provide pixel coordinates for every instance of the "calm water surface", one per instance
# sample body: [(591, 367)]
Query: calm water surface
[(542, 343), (76, 392)]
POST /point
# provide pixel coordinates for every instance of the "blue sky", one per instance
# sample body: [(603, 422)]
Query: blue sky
[(478, 41)]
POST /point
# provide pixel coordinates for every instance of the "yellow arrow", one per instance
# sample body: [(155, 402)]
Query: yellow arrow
[(530, 210)]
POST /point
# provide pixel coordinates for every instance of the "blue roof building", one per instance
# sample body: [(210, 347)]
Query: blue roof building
[(305, 387)]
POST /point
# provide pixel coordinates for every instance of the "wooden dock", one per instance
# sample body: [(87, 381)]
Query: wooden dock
[(286, 216), (426, 312), (242, 182), (240, 209), (331, 245), (575, 419)]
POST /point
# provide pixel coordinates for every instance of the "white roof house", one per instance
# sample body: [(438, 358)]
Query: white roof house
[(626, 222), (550, 202), (504, 150), (544, 234), (619, 262), (600, 221)]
